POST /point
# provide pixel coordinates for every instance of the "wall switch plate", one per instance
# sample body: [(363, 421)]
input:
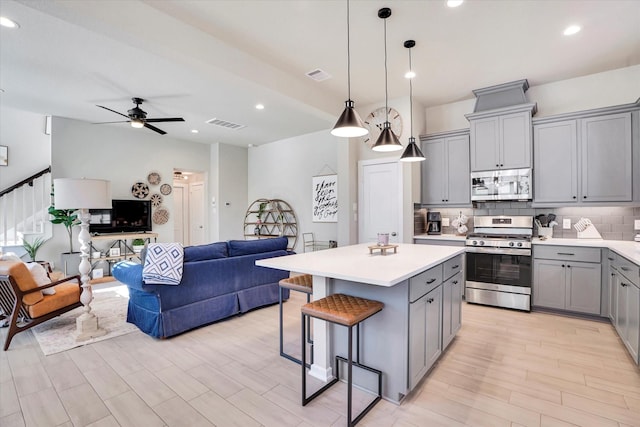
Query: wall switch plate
[(445, 222), (566, 223), (636, 224)]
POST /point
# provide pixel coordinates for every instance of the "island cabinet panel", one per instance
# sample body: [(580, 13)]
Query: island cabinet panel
[(451, 308), (425, 332), (626, 301)]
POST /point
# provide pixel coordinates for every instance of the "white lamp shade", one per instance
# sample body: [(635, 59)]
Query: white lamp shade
[(80, 193)]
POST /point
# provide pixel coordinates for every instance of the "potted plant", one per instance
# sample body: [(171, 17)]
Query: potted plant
[(70, 261), (32, 248), (137, 245)]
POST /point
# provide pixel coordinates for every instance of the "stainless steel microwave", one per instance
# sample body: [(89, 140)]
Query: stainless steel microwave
[(508, 184)]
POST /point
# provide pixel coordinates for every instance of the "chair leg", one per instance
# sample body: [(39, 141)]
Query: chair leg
[(308, 340)]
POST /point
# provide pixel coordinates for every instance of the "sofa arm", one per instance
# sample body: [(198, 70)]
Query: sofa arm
[(130, 273)]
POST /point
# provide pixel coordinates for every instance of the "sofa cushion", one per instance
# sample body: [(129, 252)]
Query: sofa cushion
[(205, 252), (248, 247), (21, 274)]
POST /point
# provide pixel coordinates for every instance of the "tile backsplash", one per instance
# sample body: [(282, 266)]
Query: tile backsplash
[(613, 223)]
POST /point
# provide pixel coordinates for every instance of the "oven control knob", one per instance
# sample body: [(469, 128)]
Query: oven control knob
[(474, 243), (510, 243), (520, 244), (481, 242)]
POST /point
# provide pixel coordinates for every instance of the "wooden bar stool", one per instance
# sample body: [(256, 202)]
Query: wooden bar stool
[(347, 311), (302, 283)]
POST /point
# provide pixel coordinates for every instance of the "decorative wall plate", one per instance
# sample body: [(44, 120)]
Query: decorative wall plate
[(140, 190), (156, 200), (165, 189), (154, 178), (161, 216)]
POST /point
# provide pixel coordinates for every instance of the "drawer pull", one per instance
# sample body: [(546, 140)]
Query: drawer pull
[(625, 268), (455, 266), (565, 253), (430, 281), (610, 259)]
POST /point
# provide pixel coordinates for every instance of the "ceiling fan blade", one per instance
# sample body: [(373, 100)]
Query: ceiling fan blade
[(113, 111), (168, 119), (104, 123), (155, 129)]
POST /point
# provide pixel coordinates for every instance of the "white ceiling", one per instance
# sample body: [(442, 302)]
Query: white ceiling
[(204, 59)]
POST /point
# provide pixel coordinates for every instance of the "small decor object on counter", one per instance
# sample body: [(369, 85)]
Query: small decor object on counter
[(383, 249), (161, 216), (154, 178), (383, 239), (140, 190), (545, 232), (586, 230), (165, 189), (156, 200)]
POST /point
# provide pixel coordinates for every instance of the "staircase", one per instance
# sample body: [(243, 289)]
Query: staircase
[(24, 212)]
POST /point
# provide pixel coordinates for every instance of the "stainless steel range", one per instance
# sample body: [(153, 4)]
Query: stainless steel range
[(499, 261)]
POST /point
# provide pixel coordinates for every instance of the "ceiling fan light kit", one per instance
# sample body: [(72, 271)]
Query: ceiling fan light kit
[(412, 153), (138, 117), (349, 124), (387, 141)]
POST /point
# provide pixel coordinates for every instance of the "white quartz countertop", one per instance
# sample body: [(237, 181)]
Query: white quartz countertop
[(453, 237), (354, 263), (629, 250)]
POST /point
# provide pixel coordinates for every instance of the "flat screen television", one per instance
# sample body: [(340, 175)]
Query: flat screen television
[(125, 216)]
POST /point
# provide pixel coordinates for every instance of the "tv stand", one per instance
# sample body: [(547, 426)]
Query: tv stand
[(121, 242)]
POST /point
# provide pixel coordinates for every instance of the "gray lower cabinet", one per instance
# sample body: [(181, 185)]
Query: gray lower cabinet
[(567, 278), (445, 172), (613, 294), (583, 160), (626, 296), (424, 334), (451, 308)]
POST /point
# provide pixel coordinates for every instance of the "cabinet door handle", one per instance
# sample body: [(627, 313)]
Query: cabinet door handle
[(625, 268), (501, 165), (624, 285), (610, 259), (429, 300), (455, 266), (584, 197), (565, 253), (575, 197), (430, 281), (497, 165), (568, 266), (562, 265), (455, 282)]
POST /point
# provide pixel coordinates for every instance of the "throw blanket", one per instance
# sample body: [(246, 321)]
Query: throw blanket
[(163, 264)]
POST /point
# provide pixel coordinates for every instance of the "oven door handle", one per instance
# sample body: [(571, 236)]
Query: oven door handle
[(498, 251)]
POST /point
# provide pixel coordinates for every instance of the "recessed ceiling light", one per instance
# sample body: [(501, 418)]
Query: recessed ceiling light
[(194, 131), (571, 30), (410, 74), (259, 107), (6, 22), (454, 3)]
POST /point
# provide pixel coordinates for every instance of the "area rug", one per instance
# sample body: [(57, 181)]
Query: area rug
[(109, 304)]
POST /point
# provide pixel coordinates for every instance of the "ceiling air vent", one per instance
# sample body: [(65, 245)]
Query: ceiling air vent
[(318, 75), (224, 124)]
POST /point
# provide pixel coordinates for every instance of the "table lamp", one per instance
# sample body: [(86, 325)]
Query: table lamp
[(84, 194)]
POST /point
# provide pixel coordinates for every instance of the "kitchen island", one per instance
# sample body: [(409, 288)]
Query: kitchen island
[(421, 287)]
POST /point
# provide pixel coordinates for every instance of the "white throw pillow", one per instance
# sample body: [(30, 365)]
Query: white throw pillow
[(9, 256), (40, 276)]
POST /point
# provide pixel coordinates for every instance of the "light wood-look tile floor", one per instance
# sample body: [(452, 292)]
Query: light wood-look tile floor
[(505, 368)]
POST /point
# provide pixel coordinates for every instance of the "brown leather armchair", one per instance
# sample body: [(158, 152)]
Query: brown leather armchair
[(24, 304)]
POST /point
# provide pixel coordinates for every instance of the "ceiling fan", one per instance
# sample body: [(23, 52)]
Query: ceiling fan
[(138, 117)]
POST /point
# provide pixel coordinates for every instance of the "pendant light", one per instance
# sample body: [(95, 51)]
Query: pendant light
[(349, 124), (387, 141), (412, 153)]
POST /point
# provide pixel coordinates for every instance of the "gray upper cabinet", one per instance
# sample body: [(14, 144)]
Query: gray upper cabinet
[(445, 172), (606, 158), (583, 160), (501, 139)]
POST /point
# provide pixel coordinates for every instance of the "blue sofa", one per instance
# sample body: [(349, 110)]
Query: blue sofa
[(218, 280)]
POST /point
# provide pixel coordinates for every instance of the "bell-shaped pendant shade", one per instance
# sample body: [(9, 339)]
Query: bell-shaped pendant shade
[(387, 141), (349, 125), (412, 153)]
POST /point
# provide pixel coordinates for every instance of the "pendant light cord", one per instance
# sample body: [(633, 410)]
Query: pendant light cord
[(386, 90), (410, 96), (348, 56)]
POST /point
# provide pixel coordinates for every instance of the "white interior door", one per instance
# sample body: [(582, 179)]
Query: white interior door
[(181, 215), (379, 200), (196, 214)]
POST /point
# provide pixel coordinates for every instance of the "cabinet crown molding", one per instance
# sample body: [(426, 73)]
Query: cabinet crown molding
[(531, 106)]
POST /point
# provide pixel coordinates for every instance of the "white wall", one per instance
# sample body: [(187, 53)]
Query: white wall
[(283, 170), (122, 155), (615, 87), (29, 146)]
